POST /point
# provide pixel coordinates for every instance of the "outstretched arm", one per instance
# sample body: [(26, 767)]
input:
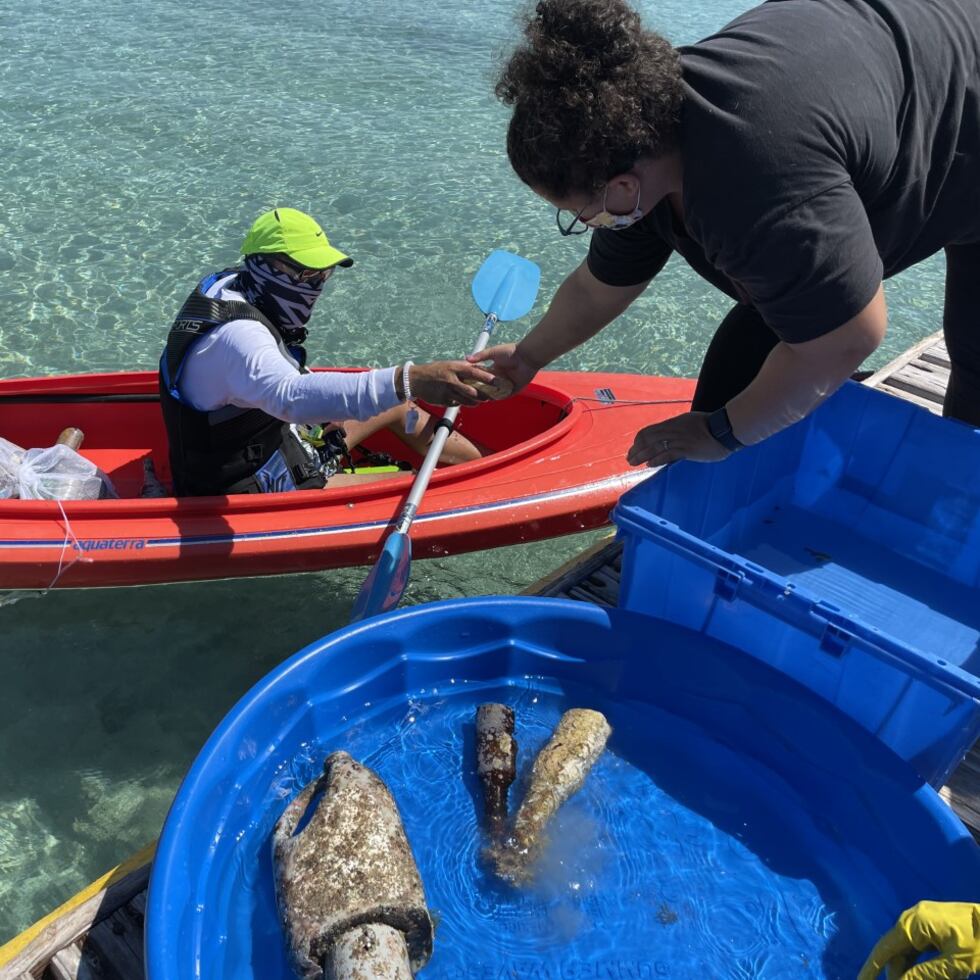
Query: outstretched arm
[(796, 378), (243, 366), (792, 382)]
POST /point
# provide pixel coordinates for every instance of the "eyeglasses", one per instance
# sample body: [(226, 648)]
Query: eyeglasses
[(601, 219), (315, 277), (571, 225)]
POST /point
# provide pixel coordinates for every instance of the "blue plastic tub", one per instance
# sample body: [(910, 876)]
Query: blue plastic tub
[(738, 825), (845, 551)]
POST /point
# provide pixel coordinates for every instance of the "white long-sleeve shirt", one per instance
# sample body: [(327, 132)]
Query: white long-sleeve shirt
[(240, 364)]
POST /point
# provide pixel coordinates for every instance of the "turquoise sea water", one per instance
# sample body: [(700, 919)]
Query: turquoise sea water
[(137, 143)]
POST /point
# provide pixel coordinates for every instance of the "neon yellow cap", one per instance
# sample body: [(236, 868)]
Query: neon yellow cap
[(293, 233)]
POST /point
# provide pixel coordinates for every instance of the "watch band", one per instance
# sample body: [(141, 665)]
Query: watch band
[(720, 427)]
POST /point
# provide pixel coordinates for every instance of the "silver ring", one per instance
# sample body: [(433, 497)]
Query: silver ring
[(666, 445)]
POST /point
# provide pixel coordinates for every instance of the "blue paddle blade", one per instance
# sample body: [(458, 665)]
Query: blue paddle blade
[(506, 285), (383, 588)]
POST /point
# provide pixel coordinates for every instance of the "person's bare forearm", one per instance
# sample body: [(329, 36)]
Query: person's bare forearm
[(786, 389), (580, 309), (796, 378), (793, 381)]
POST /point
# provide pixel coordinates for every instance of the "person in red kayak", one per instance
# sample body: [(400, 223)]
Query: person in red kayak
[(243, 415), (795, 159)]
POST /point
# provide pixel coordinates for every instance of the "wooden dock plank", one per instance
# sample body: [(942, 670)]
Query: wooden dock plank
[(924, 380), (33, 949), (908, 396), (962, 792), (919, 375), (593, 557), (937, 355), (65, 963), (906, 357), (117, 943)]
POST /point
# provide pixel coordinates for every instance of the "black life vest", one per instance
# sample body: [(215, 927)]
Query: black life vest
[(223, 451)]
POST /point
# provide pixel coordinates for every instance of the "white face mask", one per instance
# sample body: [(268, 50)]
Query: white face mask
[(603, 219)]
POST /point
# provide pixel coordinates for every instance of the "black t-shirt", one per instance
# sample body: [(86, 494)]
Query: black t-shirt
[(826, 144)]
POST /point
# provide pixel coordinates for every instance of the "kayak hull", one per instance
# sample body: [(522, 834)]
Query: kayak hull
[(563, 478)]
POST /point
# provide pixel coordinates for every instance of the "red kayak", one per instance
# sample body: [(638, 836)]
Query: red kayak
[(557, 467)]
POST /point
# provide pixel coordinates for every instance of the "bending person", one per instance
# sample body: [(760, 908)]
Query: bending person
[(795, 159), (237, 399)]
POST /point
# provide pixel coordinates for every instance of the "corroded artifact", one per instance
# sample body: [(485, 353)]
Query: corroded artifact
[(350, 896), (496, 761), (558, 772)]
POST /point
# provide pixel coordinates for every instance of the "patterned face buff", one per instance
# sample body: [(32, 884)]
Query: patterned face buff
[(287, 302), (575, 224), (615, 222)]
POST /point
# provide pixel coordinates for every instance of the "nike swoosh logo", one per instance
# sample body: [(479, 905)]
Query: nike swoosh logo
[(319, 234)]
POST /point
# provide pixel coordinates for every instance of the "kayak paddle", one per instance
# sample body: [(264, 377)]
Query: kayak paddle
[(504, 288)]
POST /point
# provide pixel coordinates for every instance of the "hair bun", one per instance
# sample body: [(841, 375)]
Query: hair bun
[(602, 35)]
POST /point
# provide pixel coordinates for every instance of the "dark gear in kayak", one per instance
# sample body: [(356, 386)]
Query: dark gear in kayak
[(231, 450)]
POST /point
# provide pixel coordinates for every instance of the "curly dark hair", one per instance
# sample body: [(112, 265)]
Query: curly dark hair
[(592, 91)]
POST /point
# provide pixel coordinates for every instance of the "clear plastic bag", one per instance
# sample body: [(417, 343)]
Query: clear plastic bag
[(10, 460), (59, 473)]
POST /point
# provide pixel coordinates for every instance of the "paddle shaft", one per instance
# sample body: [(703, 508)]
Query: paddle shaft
[(443, 427), (504, 288)]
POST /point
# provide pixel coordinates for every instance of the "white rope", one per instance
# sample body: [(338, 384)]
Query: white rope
[(618, 402), (9, 598), (79, 551)]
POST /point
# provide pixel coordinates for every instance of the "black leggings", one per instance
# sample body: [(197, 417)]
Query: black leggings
[(743, 342)]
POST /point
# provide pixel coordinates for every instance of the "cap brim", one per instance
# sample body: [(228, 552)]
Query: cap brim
[(322, 257)]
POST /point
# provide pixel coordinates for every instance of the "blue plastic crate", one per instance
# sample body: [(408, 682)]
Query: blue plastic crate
[(845, 551)]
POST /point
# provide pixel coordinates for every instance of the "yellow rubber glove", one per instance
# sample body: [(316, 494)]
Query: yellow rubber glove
[(950, 928)]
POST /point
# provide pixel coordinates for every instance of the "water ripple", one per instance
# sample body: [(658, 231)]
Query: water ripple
[(633, 877)]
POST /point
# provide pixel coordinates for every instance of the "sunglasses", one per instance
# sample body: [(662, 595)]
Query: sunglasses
[(299, 273)]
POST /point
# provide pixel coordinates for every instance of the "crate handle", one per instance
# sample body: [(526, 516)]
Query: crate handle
[(728, 583)]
